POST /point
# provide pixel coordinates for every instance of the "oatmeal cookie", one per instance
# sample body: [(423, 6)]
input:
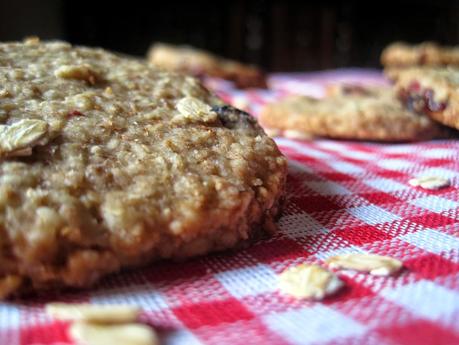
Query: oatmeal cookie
[(109, 163), (431, 91), (401, 54), (349, 112), (198, 63)]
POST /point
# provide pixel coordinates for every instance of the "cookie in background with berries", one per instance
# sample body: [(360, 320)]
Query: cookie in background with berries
[(401, 54), (431, 91), (350, 111)]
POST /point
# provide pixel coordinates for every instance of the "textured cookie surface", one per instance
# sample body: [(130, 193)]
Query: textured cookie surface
[(107, 162), (350, 112), (428, 53), (431, 91), (197, 62)]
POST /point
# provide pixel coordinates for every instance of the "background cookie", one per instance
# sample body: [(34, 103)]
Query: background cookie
[(201, 63), (108, 163), (431, 91), (428, 53), (357, 113)]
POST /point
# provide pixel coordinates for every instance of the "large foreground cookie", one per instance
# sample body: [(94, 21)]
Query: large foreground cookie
[(198, 63), (349, 113), (431, 91), (108, 163)]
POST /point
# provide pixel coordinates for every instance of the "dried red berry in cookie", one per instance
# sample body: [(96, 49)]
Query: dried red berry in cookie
[(74, 113), (431, 103), (414, 86), (421, 100)]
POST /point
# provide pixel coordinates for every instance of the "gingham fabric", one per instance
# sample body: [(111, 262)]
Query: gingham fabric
[(342, 197)]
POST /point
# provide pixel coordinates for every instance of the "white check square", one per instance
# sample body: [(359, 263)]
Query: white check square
[(293, 165), (301, 225), (346, 168), (360, 155), (403, 148), (395, 164), (440, 172), (438, 153), (248, 281), (435, 204), (323, 255), (308, 152), (327, 188), (373, 214), (146, 296), (9, 316), (317, 324), (181, 337), (385, 185), (425, 299), (332, 145), (432, 240)]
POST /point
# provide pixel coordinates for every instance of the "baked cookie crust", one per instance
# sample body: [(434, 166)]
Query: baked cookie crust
[(109, 163), (199, 63)]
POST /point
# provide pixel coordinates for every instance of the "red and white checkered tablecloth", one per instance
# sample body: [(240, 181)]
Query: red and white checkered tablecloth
[(342, 197)]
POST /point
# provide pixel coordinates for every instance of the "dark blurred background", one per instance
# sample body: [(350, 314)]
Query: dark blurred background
[(278, 35)]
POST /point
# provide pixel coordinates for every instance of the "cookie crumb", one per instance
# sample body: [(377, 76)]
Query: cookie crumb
[(126, 334), (374, 264), (430, 182), (309, 282), (93, 313)]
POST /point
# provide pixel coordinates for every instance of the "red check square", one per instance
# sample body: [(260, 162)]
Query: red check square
[(212, 313), (412, 333), (280, 250), (431, 266), (360, 235)]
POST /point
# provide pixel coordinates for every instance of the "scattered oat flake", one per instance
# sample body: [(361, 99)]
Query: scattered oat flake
[(93, 313), (100, 334), (309, 281), (429, 182), (371, 263)]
